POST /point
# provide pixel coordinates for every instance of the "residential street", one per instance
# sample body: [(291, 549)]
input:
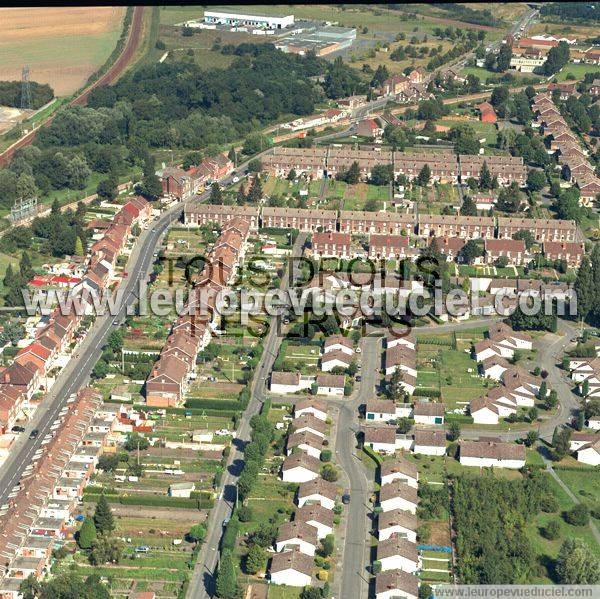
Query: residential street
[(202, 583), (356, 541)]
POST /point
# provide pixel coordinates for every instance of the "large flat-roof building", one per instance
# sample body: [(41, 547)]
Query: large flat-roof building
[(228, 16)]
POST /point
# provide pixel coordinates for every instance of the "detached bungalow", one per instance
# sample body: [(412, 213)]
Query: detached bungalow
[(498, 454), (317, 492), (314, 407), (590, 453), (397, 553), (338, 343), (292, 568), (399, 469), (398, 496), (289, 382), (305, 441), (297, 535), (397, 522), (318, 516), (335, 359), (308, 422), (429, 412), (381, 439), (380, 410), (393, 584), (429, 442), (299, 468), (330, 384)]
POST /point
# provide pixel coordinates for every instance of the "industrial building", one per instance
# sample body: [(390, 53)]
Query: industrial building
[(321, 39), (231, 18)]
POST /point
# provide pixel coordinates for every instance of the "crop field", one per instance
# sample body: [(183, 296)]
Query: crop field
[(61, 46)]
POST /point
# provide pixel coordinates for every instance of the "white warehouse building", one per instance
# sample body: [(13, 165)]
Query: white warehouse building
[(226, 16)]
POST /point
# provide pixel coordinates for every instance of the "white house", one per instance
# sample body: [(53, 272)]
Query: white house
[(313, 406), (318, 516), (317, 492), (401, 357), (289, 382), (397, 553), (335, 359), (338, 343), (497, 454), (428, 412), (590, 453), (594, 423), (484, 411), (380, 410), (429, 442), (297, 535), (299, 468), (399, 469), (393, 340), (398, 496), (381, 439), (393, 584), (305, 441), (399, 522), (522, 387), (579, 439), (330, 384), (292, 568), (308, 422), (494, 367)]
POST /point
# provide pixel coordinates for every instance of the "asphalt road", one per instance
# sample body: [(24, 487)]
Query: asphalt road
[(356, 541), (203, 580)]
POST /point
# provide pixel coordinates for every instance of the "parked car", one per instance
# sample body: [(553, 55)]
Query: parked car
[(346, 498), (34, 433), (18, 429)]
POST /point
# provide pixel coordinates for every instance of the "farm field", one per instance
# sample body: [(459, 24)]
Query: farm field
[(61, 46)]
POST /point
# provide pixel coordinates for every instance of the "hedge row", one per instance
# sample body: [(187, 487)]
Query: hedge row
[(427, 392), (213, 404), (152, 501)]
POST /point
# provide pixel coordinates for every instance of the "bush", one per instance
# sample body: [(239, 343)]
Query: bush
[(326, 455), (245, 513), (578, 515), (549, 503), (551, 531)]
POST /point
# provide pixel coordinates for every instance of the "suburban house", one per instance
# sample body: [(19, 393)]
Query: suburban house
[(487, 114), (318, 516), (399, 469), (315, 407), (291, 568), (398, 496), (397, 553), (589, 453), (492, 453), (300, 467), (297, 535), (393, 584), (397, 522), (380, 410), (289, 382), (331, 384), (381, 439), (511, 249), (305, 441), (317, 492), (429, 442), (338, 343), (428, 412), (335, 359), (310, 423)]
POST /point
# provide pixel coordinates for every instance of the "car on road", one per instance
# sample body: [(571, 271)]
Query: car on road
[(358, 378), (18, 429), (346, 498), (34, 433), (235, 179)]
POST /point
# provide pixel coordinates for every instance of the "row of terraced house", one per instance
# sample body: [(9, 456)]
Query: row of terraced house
[(29, 375), (42, 513), (384, 223), (190, 333), (445, 167)]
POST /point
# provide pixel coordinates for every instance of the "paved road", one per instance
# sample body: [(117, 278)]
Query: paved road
[(76, 373), (356, 542), (202, 583)]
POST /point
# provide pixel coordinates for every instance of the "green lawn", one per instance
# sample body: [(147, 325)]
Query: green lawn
[(584, 483), (578, 70)]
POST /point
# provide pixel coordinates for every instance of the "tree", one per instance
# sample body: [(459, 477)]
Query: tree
[(503, 58), (197, 533), (107, 189), (352, 175), (561, 440), (115, 340), (136, 441), (543, 390), (256, 560), (226, 584), (453, 431), (551, 400), (485, 177), (577, 564), (329, 473), (510, 198), (425, 591), (328, 545), (557, 58), (531, 438), (470, 251), (108, 462), (584, 288), (578, 515), (106, 549), (551, 531), (216, 197), (468, 208), (382, 174), (30, 588), (424, 176), (150, 187), (25, 268), (26, 187), (78, 172), (103, 516), (395, 387), (404, 425), (255, 193), (567, 205), (87, 534), (100, 370), (536, 180), (527, 236), (79, 247)]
